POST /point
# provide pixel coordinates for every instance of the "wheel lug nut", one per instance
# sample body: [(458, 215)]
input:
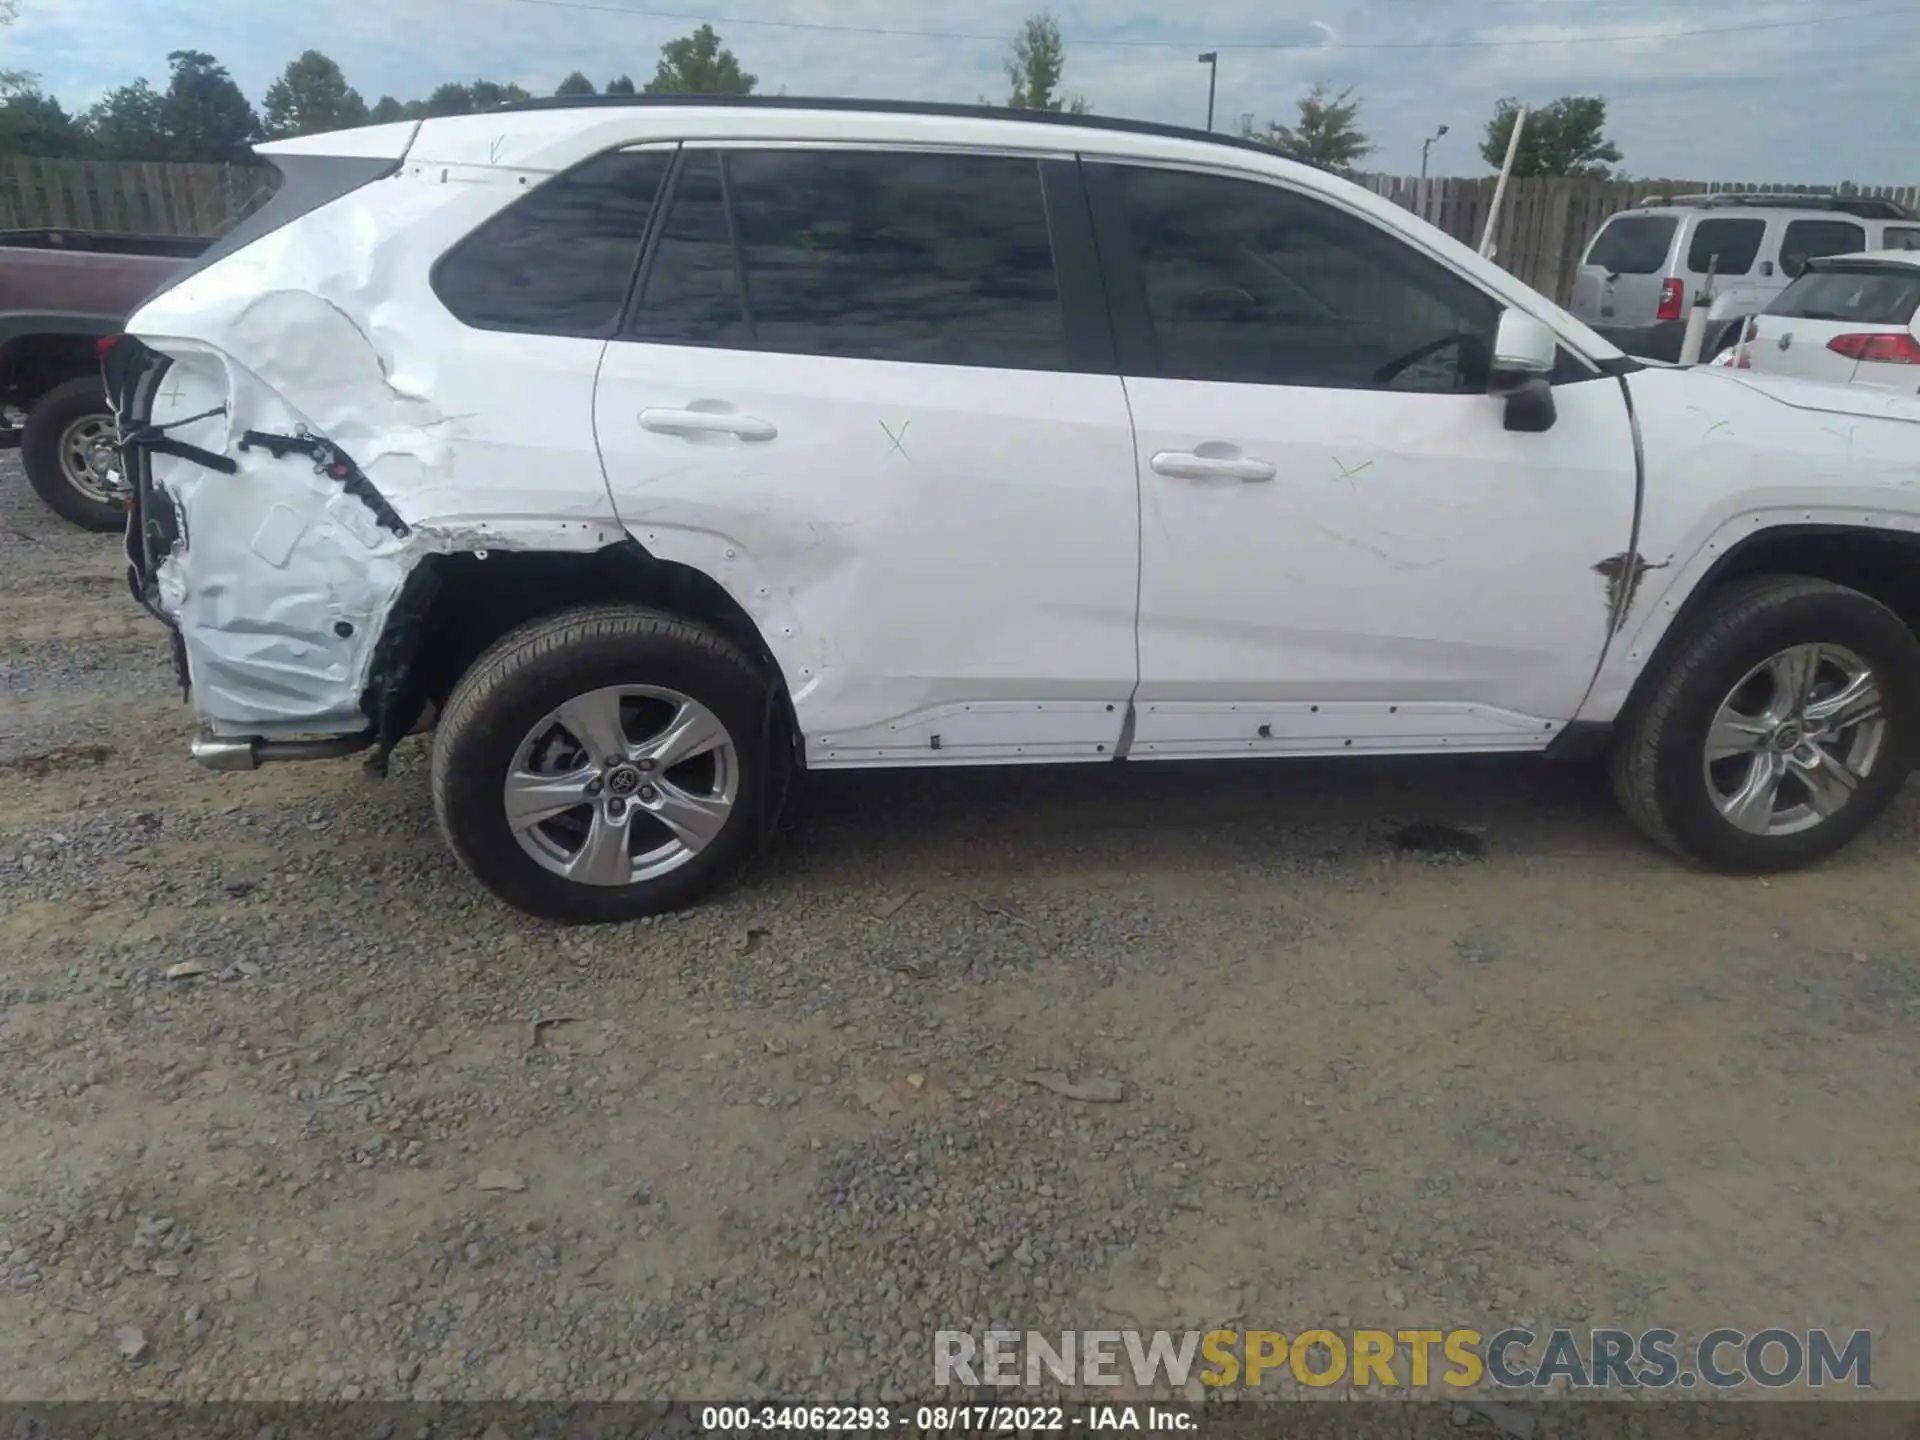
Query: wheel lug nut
[(649, 794), (645, 767), (594, 787), (616, 808)]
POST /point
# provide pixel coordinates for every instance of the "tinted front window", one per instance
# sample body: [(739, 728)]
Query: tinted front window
[(559, 260), (1862, 295), (1809, 239), (934, 259), (1247, 282), (1736, 244), (1633, 244)]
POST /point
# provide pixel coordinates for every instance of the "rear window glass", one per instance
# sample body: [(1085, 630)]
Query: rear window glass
[(909, 258), (1736, 243), (1860, 295), (1902, 237), (1633, 244), (559, 260), (1809, 239)]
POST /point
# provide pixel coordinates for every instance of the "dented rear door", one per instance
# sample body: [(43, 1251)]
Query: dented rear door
[(860, 389)]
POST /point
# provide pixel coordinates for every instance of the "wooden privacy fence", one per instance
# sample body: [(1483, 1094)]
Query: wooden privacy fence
[(123, 197), (1544, 224)]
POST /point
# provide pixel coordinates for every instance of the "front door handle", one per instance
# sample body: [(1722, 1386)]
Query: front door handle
[(707, 422), (1185, 465)]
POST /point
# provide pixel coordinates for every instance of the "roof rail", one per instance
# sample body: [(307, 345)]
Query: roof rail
[(1870, 207), (896, 107)]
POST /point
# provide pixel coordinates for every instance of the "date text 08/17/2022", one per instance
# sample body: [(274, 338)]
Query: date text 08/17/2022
[(924, 1419)]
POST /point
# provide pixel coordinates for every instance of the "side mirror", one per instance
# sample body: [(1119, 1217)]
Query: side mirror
[(1525, 350)]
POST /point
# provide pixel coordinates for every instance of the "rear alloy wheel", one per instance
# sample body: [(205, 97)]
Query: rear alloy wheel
[(1780, 728), (605, 764), (70, 447), (623, 785)]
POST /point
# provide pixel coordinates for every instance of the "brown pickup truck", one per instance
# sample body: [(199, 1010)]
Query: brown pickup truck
[(61, 292)]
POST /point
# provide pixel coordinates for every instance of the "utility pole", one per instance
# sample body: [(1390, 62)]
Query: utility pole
[(1212, 61), (1425, 146)]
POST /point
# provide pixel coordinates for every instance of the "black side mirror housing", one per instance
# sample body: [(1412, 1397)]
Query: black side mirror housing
[(1530, 407)]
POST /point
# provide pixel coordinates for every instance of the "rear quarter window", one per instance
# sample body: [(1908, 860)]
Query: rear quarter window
[(1633, 244), (1860, 295), (1729, 246), (559, 260), (1810, 239), (1902, 237)]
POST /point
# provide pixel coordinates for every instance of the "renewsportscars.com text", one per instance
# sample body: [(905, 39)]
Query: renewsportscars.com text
[(1653, 1359)]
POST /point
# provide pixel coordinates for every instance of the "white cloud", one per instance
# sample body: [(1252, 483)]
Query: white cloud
[(1818, 102)]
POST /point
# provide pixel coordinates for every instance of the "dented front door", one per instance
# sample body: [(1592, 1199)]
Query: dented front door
[(1342, 546)]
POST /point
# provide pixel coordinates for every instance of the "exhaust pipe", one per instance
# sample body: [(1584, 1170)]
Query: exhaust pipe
[(218, 753)]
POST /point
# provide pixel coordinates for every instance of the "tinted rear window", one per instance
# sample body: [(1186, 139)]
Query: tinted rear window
[(1862, 295), (1633, 244), (928, 259), (1735, 242), (559, 260)]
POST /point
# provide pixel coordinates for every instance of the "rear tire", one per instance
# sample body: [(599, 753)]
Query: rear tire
[(549, 822), (63, 425), (1727, 685)]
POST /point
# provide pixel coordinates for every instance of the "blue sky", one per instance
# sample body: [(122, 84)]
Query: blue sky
[(1826, 92)]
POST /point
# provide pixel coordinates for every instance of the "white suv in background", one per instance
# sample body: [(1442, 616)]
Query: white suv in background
[(658, 448), (1645, 267)]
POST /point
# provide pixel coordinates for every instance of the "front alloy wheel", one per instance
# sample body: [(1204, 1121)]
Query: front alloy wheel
[(1791, 745), (1779, 725)]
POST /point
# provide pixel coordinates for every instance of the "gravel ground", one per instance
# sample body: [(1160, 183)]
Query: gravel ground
[(293, 1110)]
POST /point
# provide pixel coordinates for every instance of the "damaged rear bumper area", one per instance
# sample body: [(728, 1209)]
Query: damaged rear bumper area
[(301, 659)]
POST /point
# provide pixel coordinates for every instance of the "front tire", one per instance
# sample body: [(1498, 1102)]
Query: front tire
[(1781, 726), (606, 764), (67, 445)]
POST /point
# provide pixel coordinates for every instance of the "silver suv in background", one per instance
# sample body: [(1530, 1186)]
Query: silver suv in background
[(1645, 266)]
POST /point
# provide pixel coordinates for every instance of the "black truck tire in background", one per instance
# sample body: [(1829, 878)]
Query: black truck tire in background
[(43, 440)]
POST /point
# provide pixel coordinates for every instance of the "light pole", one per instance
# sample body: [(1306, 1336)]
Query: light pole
[(1425, 146), (1212, 60)]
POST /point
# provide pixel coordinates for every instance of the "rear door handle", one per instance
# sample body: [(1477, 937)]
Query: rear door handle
[(1185, 465), (707, 422)]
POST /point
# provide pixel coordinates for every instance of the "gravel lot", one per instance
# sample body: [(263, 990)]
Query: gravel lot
[(290, 1097)]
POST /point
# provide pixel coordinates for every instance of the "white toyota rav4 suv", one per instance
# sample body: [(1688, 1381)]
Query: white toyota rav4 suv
[(658, 448)]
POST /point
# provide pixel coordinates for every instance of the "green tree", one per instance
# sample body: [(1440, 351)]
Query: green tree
[(206, 115), (487, 94), (452, 98), (1564, 138), (1039, 59), (574, 85), (12, 80), (698, 64), (387, 110), (311, 97), (32, 123), (128, 123), (621, 85), (1327, 134)]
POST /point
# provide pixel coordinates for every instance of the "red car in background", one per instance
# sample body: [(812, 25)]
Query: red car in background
[(61, 292)]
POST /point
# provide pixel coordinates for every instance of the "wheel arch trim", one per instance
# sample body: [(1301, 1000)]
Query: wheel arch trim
[(1656, 617)]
